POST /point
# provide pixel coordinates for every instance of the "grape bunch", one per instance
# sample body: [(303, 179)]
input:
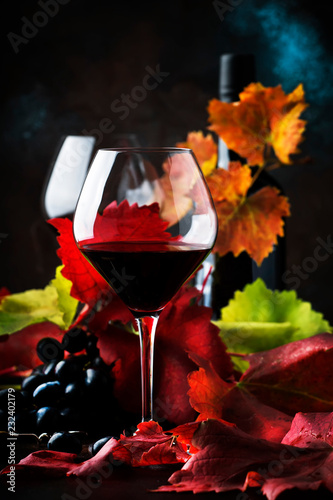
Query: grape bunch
[(72, 390)]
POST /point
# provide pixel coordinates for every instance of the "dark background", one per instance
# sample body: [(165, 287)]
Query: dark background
[(64, 79)]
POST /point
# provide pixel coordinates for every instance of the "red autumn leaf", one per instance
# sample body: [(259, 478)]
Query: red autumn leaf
[(246, 223), (151, 446), (213, 397), (185, 433), (148, 434), (314, 431), (18, 350), (119, 346), (129, 223), (182, 328), (231, 459), (306, 473), (263, 118), (192, 330), (310, 430), (294, 377), (88, 285), (166, 453), (44, 463), (112, 453)]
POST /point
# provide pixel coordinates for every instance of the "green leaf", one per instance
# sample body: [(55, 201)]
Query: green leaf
[(259, 319), (53, 304), (67, 303)]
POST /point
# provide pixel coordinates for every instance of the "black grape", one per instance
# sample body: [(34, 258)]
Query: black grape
[(65, 441), (49, 349), (74, 340), (47, 393)]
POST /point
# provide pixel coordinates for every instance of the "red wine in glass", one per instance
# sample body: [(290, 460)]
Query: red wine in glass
[(147, 277), (145, 220)]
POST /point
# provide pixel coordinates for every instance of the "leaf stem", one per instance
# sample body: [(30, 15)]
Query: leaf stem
[(256, 175)]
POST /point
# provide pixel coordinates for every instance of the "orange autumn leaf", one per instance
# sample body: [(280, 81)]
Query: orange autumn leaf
[(204, 149), (248, 223), (264, 117), (173, 191), (229, 184)]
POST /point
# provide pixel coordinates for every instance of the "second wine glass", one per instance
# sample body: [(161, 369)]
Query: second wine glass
[(145, 220)]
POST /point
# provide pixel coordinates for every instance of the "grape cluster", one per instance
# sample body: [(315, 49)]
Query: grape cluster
[(72, 390)]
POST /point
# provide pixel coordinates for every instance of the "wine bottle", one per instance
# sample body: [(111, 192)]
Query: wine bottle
[(233, 273)]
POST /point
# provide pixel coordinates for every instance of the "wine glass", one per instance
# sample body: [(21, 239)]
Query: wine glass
[(66, 175), (145, 220)]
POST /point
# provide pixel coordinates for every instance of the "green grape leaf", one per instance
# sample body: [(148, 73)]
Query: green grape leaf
[(67, 303), (259, 319), (52, 303)]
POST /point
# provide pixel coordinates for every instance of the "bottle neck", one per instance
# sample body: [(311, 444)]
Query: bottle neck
[(236, 72)]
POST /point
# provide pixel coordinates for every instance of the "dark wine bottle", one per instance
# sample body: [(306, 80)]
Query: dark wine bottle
[(233, 273)]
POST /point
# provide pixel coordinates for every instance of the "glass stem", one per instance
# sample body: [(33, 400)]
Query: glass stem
[(147, 328)]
